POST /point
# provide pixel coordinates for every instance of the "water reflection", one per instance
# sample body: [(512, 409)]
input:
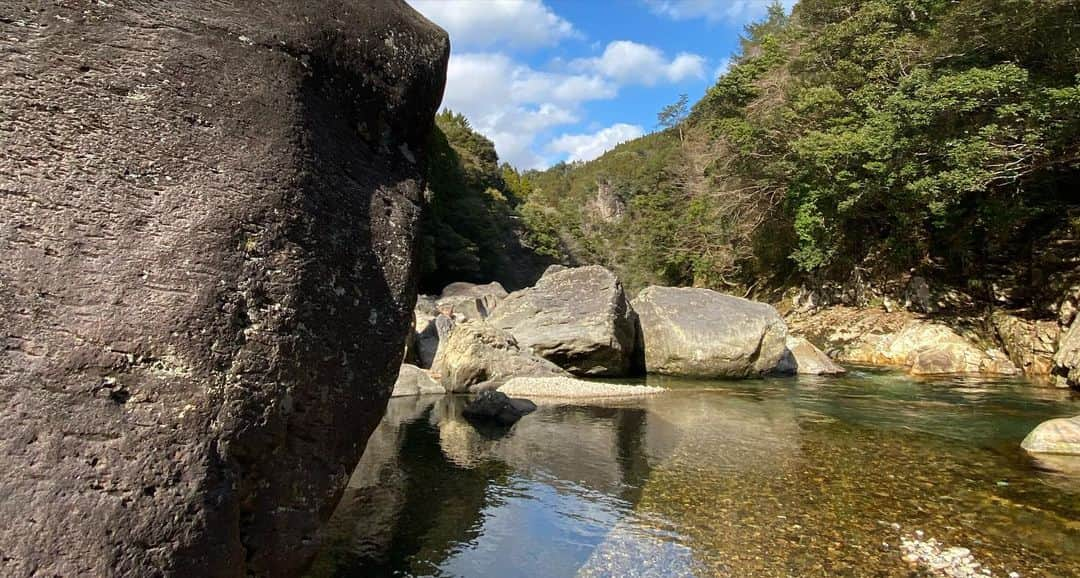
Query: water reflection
[(764, 478)]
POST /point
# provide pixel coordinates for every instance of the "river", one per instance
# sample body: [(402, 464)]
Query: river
[(774, 477)]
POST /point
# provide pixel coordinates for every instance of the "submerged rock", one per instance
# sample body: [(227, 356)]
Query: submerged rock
[(208, 217), (412, 380), (579, 319), (478, 355), (702, 333), (498, 407), (1056, 436), (803, 358)]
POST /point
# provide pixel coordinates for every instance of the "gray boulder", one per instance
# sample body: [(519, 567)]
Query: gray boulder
[(478, 356), (412, 380), (469, 301), (207, 221), (804, 358), (462, 289), (579, 319), (1056, 436), (702, 333)]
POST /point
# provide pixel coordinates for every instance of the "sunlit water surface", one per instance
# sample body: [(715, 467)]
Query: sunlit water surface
[(779, 477)]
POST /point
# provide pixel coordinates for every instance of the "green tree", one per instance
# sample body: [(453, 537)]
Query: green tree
[(673, 115)]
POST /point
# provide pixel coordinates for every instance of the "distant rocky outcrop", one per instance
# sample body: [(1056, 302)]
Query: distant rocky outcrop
[(1067, 359), (478, 356), (702, 333), (877, 337), (605, 206), (577, 318), (1030, 344), (803, 358), (1056, 436), (208, 227)]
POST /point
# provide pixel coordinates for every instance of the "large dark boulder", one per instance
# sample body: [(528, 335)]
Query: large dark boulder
[(208, 219), (579, 319)]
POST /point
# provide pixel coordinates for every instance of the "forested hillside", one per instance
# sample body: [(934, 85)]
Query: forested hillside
[(870, 138), (473, 230)]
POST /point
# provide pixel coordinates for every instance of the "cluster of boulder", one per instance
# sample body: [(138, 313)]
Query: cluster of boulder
[(579, 321)]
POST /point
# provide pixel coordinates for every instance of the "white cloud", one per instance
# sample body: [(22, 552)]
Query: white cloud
[(482, 23), (739, 11), (513, 104), (632, 63), (586, 147), (520, 107)]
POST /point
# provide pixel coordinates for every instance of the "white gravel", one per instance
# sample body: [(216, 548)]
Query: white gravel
[(570, 388), (936, 560)]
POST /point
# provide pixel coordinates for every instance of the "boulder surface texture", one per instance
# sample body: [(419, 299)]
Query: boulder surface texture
[(579, 319), (208, 216), (701, 333)]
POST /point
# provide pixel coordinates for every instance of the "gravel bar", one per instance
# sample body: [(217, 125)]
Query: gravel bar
[(570, 388)]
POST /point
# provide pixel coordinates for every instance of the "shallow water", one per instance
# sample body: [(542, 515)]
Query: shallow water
[(779, 477)]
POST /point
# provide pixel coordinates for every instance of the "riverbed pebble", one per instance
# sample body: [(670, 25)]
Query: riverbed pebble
[(932, 557)]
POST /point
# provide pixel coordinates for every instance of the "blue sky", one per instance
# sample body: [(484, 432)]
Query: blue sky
[(552, 80)]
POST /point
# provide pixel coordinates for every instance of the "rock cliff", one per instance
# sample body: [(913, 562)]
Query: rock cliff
[(207, 223)]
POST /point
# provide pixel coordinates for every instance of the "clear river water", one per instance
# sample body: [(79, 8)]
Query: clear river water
[(776, 477)]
